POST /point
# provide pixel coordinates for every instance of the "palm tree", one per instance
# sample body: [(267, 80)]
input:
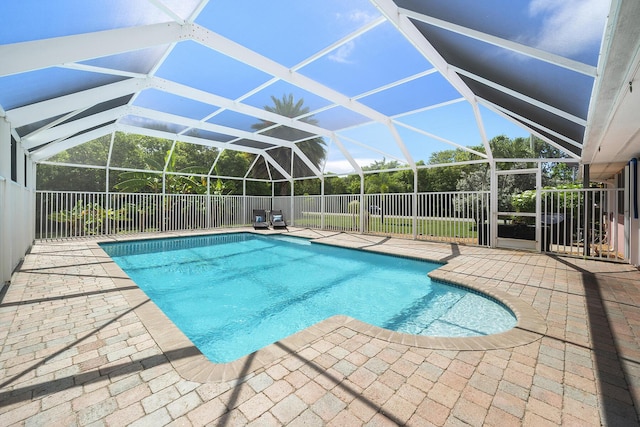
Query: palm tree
[(313, 148)]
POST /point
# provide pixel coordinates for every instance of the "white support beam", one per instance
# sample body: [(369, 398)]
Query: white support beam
[(197, 124), (226, 103), (216, 144), (171, 118), (56, 122), (481, 129), (509, 115), (241, 53), (255, 160), (389, 9), (103, 70), (20, 57), (436, 137), (74, 127), (396, 83), (370, 148), (215, 162), (184, 138), (79, 100), (349, 37), (401, 145), (539, 104), (56, 147), (529, 51), (347, 155), (167, 11)]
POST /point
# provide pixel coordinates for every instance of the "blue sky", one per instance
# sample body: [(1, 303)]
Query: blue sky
[(290, 31), (294, 30)]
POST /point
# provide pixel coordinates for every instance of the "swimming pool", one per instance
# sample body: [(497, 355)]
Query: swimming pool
[(232, 294)]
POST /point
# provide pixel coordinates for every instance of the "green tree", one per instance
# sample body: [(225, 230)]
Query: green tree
[(385, 182), (335, 185), (67, 178), (188, 182), (445, 178), (312, 147)]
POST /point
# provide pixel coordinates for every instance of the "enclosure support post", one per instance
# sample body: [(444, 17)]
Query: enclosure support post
[(244, 202), (414, 204), (539, 234), (273, 195), (493, 206), (587, 210), (107, 203), (208, 203), (291, 203), (362, 206), (322, 205)]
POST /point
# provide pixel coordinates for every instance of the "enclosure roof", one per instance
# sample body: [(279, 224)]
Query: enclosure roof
[(381, 79)]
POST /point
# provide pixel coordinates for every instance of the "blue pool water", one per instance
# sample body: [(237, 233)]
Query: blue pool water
[(233, 294)]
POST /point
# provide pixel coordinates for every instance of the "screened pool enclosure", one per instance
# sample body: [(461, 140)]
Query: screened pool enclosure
[(461, 122)]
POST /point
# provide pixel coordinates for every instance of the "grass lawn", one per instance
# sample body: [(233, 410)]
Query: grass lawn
[(440, 227)]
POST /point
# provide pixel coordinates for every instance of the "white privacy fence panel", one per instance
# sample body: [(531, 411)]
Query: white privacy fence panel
[(16, 232)]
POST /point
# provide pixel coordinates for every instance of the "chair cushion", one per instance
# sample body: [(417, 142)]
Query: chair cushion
[(258, 218), (277, 217)]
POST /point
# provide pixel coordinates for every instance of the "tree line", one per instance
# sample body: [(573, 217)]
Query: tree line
[(188, 166)]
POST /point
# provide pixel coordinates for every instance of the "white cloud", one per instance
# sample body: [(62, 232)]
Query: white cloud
[(343, 166), (569, 26), (343, 53), (357, 16), (361, 16)]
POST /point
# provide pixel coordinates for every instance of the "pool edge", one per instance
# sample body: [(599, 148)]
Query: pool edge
[(192, 365)]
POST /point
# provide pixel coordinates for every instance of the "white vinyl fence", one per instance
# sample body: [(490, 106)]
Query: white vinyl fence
[(453, 217), (445, 217), (64, 214), (584, 222)]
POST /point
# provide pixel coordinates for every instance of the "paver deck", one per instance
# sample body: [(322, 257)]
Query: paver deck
[(82, 345)]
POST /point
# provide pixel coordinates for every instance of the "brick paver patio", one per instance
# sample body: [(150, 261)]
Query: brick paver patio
[(81, 345)]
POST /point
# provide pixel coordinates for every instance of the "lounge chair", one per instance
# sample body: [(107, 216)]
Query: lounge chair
[(260, 219), (277, 219)]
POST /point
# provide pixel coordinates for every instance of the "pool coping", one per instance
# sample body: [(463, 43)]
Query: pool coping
[(192, 365)]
